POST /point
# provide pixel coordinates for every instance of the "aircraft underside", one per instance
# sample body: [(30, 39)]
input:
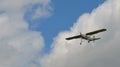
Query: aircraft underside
[(87, 36)]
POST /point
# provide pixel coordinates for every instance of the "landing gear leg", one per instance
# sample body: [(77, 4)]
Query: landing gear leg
[(81, 42), (88, 41)]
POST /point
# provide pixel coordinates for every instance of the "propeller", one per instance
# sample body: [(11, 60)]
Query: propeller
[(93, 36)]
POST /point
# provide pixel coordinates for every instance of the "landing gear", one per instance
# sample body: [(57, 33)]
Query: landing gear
[(81, 42), (88, 41)]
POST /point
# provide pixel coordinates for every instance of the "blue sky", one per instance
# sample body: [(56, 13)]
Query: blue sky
[(64, 15)]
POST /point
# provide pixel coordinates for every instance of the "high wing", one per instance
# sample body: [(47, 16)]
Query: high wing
[(95, 32), (74, 37)]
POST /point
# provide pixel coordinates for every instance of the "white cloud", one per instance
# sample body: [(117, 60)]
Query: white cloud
[(14, 7), (42, 12), (19, 46), (105, 53)]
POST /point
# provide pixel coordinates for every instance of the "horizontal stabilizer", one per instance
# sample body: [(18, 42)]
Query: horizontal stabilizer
[(96, 38)]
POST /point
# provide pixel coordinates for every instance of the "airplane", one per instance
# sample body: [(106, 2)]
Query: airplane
[(87, 36)]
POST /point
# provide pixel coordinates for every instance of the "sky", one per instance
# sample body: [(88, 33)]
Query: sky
[(33, 33)]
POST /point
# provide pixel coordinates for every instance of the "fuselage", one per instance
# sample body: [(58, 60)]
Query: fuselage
[(87, 37)]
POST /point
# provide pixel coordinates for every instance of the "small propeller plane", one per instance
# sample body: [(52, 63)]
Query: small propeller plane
[(87, 36)]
